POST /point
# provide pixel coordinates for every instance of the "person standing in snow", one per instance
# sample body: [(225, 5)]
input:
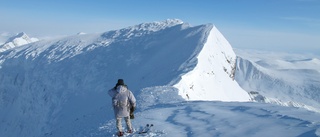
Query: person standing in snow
[(124, 103)]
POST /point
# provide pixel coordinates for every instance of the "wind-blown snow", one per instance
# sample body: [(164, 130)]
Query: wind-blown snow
[(59, 87)]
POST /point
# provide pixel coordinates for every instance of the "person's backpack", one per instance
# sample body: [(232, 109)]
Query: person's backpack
[(121, 100)]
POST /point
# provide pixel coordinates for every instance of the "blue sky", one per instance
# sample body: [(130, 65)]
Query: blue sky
[(279, 25)]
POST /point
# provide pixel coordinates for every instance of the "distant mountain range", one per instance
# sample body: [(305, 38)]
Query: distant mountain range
[(280, 78)]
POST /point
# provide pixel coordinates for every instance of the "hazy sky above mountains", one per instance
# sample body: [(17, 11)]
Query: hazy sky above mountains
[(280, 25)]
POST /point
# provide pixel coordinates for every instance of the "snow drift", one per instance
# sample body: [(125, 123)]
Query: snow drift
[(54, 87)]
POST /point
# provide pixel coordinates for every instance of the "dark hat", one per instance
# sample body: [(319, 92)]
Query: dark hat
[(120, 82)]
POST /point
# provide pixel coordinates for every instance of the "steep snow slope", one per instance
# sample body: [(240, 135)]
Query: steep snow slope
[(49, 87), (290, 80), (16, 41), (213, 76)]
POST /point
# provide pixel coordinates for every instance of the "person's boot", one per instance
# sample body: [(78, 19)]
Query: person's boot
[(129, 131), (120, 134)]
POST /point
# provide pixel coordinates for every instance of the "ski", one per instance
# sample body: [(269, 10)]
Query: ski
[(146, 129)]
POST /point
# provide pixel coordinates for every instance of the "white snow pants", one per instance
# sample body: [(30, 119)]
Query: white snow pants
[(128, 123)]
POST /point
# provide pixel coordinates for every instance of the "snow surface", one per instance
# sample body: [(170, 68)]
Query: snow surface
[(58, 87), (225, 119), (280, 78)]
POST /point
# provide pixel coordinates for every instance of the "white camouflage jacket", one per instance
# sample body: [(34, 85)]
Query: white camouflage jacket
[(122, 100)]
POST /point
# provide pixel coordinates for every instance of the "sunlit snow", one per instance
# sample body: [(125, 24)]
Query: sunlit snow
[(179, 73)]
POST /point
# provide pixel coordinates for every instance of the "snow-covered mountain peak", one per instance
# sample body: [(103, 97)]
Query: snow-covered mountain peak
[(213, 76), (20, 39), (19, 35), (16, 41)]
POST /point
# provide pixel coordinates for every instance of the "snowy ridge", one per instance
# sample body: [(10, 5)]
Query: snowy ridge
[(142, 29), (213, 76), (16, 41), (73, 45), (280, 81)]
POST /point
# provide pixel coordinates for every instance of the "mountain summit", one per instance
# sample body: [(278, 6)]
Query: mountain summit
[(16, 41), (51, 83)]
